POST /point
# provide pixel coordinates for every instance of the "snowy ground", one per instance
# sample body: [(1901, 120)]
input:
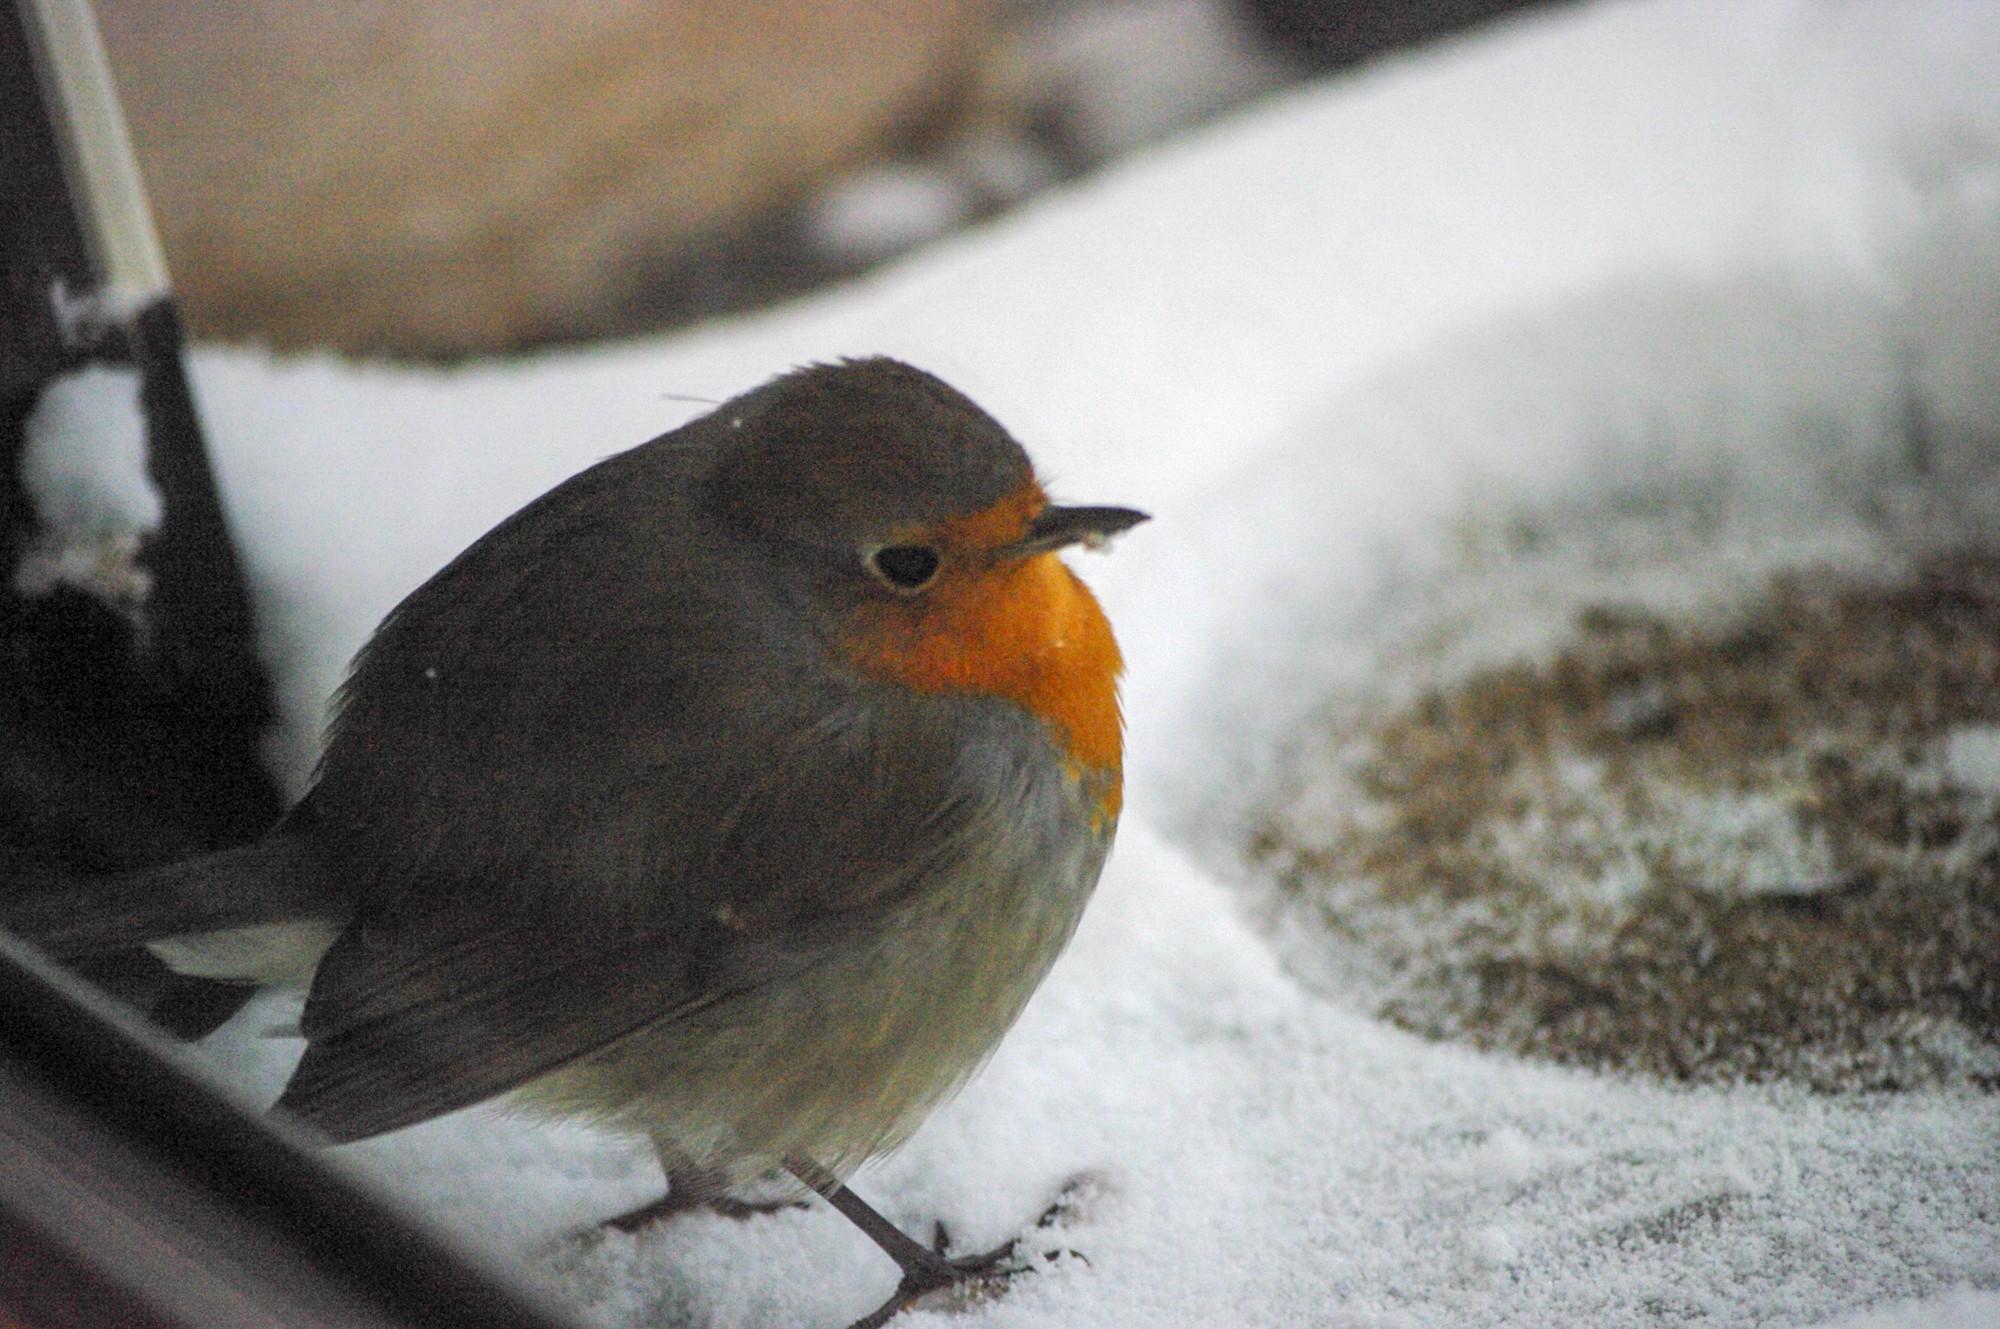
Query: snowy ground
[(1322, 343)]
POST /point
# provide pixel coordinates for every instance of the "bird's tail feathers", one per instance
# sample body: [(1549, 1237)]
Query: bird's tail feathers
[(281, 878)]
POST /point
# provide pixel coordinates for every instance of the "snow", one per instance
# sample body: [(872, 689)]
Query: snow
[(84, 468), (85, 460), (1339, 346), (884, 210), (1972, 757), (1965, 1309), (1132, 72)]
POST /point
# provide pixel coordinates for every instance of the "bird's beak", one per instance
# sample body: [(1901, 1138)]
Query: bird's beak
[(1058, 528)]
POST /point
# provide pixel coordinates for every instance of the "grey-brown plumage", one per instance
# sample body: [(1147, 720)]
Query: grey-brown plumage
[(624, 813)]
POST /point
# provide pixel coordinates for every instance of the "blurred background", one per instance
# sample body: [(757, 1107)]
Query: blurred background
[(475, 177)]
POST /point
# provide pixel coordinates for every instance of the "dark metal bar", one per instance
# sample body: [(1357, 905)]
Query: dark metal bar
[(157, 1192)]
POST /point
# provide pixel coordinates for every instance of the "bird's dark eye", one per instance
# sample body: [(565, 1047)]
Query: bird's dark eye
[(905, 567)]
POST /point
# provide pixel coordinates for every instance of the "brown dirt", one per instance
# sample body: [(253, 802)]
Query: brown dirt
[(1736, 854)]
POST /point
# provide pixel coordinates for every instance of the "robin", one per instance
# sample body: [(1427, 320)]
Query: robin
[(738, 792)]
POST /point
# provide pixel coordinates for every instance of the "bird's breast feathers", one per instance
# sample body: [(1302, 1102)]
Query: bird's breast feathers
[(1033, 635)]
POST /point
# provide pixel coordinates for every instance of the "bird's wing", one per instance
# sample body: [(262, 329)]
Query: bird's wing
[(451, 998), (409, 1024)]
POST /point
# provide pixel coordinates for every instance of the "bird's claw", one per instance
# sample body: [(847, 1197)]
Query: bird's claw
[(956, 1284), (951, 1284)]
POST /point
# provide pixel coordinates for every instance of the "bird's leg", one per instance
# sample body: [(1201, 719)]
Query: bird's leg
[(924, 1270), (687, 1189), (690, 1188)]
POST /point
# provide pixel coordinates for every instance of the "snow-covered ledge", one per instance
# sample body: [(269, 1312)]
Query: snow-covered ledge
[(1329, 345)]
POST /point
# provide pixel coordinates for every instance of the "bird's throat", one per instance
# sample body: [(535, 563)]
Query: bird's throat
[(1028, 632)]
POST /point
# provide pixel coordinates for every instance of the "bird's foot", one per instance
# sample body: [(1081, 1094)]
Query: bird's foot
[(673, 1204), (690, 1189), (948, 1284), (730, 1206), (659, 1211)]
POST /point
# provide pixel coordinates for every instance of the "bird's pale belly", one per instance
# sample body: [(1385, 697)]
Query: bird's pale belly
[(843, 1058)]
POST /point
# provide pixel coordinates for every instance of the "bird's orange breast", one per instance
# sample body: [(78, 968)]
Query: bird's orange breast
[(1026, 630)]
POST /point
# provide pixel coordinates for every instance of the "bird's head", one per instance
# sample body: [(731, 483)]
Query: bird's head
[(920, 522)]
